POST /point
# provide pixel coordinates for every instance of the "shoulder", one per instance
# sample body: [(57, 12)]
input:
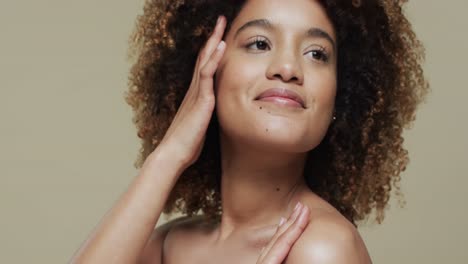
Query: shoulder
[(329, 238), (157, 242), (185, 230)]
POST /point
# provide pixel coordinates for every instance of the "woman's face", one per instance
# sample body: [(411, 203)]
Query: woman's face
[(276, 84)]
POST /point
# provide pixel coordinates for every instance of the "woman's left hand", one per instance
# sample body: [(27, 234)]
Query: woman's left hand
[(287, 233)]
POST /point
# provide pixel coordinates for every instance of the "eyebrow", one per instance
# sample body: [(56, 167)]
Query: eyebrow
[(313, 32)]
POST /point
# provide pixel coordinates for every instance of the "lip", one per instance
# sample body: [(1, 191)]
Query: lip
[(281, 94)]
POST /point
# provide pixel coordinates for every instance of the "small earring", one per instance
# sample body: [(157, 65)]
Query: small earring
[(334, 118)]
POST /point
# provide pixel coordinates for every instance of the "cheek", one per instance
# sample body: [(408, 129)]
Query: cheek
[(323, 92), (322, 103), (236, 80), (237, 83)]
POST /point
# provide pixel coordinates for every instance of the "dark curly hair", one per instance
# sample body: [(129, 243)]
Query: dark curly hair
[(380, 82)]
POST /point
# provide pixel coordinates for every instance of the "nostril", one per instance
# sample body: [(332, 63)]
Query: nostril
[(285, 79)]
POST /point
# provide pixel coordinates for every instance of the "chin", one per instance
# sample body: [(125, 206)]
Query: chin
[(271, 128), (281, 144), (285, 140), (278, 136)]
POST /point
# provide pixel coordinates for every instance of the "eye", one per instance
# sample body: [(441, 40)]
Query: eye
[(258, 43), (318, 53)]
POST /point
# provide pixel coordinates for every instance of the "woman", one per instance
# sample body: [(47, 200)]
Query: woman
[(283, 131)]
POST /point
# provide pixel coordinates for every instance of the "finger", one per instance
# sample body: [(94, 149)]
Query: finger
[(213, 41), (202, 95), (280, 249), (282, 221), (205, 50), (292, 218), (208, 71), (282, 228), (202, 58), (194, 82)]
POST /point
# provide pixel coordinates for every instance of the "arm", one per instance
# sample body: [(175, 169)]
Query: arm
[(123, 232)]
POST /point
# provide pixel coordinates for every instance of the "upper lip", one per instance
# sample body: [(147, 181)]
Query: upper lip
[(282, 92)]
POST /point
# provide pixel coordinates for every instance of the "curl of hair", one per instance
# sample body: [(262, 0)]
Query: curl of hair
[(380, 84)]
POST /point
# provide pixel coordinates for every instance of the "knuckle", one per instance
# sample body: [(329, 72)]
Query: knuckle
[(203, 50), (296, 231), (281, 238), (206, 98), (286, 241), (300, 225), (202, 54), (289, 243), (205, 72)]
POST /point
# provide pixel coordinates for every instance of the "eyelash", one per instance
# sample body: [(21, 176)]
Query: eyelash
[(257, 40), (320, 51)]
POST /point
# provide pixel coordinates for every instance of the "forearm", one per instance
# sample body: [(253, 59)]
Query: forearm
[(124, 230)]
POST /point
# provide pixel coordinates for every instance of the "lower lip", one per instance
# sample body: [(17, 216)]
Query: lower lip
[(281, 101)]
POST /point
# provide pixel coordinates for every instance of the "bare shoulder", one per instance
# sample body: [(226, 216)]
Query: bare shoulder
[(328, 238), (154, 248)]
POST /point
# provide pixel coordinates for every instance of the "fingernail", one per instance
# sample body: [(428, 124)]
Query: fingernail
[(221, 45), (297, 205), (304, 212), (282, 220), (219, 19)]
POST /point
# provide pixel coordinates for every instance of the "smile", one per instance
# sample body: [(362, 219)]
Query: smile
[(281, 101), (281, 96)]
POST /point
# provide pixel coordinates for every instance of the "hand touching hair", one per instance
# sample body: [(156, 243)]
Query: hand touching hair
[(380, 84)]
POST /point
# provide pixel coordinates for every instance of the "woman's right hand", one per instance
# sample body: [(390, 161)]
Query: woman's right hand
[(185, 136), (117, 237)]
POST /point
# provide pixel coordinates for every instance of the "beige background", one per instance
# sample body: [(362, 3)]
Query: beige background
[(67, 142)]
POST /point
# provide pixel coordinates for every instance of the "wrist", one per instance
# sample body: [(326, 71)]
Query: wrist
[(164, 160)]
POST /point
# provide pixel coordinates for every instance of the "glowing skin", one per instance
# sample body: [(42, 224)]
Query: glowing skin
[(273, 94), (275, 50), (264, 143)]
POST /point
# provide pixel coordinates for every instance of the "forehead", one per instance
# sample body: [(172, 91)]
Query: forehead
[(290, 15)]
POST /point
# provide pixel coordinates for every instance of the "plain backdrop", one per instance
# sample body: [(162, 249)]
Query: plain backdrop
[(68, 144)]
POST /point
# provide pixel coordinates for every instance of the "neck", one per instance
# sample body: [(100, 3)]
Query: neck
[(258, 187)]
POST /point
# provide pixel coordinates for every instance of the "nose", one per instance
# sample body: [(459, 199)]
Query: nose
[(285, 67)]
